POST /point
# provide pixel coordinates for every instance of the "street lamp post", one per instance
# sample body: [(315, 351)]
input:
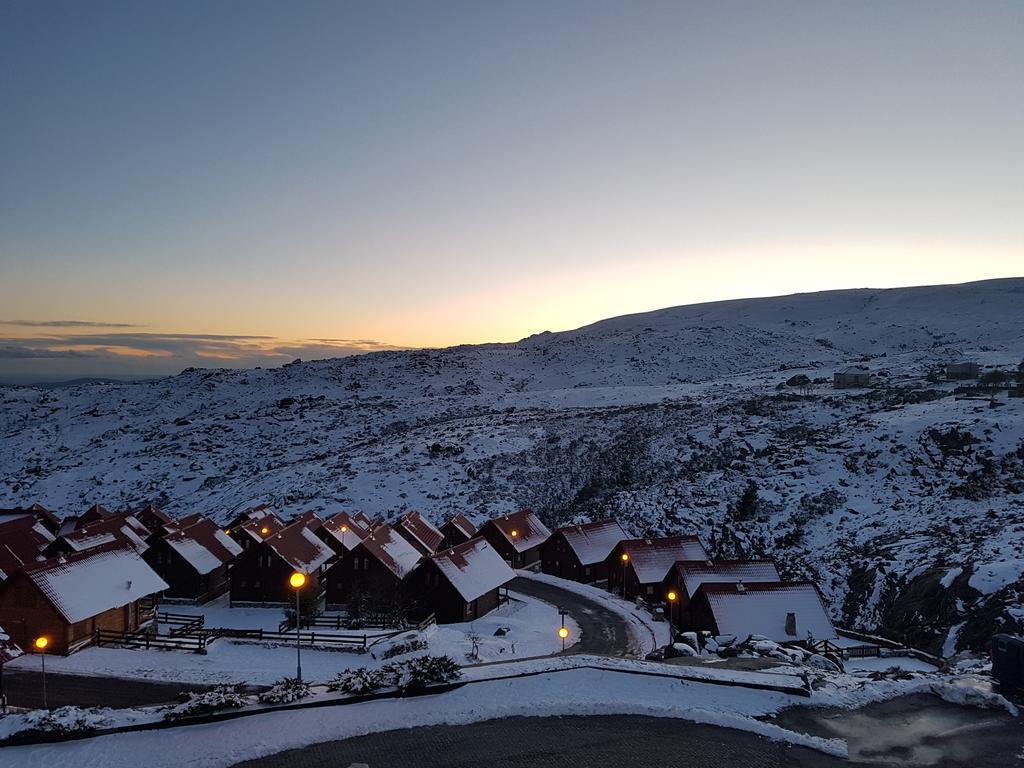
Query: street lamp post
[(625, 560), (40, 643), (672, 598), (297, 580)]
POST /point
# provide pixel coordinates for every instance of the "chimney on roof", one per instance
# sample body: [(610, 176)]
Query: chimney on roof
[(128, 584)]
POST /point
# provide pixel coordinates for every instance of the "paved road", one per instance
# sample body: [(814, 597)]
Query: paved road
[(604, 631), (910, 731), (24, 689), (566, 742)]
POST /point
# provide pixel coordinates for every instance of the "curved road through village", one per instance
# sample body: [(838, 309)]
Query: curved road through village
[(603, 631)]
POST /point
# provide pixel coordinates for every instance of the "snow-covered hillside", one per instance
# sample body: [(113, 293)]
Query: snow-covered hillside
[(906, 504)]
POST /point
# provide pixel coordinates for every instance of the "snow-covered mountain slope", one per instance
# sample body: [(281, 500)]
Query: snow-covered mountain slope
[(906, 504)]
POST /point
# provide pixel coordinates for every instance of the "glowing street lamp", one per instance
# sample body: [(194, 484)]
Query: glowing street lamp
[(297, 581), (563, 633), (672, 598), (264, 530), (625, 560), (41, 644)]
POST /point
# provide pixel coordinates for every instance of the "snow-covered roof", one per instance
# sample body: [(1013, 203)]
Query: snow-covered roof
[(153, 516), (651, 559), (593, 542), (421, 530), (355, 529), (8, 648), (852, 370), (522, 529), (254, 527), (300, 547), (761, 609), (194, 553), (86, 584), (203, 545), (394, 552), (21, 539), (115, 528), (693, 573), (461, 523), (474, 568)]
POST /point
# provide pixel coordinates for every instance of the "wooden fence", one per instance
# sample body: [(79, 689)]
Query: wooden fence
[(196, 643)]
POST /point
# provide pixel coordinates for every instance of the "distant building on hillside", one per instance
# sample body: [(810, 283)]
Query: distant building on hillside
[(962, 370), (853, 376)]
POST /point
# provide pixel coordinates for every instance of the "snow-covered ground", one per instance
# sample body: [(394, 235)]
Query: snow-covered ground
[(576, 692), (561, 686), (532, 630)]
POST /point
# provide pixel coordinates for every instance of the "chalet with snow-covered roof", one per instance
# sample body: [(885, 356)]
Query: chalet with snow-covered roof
[(254, 530), (22, 541), (647, 563), (261, 572), (120, 529), (193, 559), (962, 370), (420, 532), (686, 577), (154, 518), (852, 376), (342, 531), (518, 537), (377, 565), (67, 598), (457, 529), (580, 552), (461, 583), (93, 514), (41, 514), (252, 513), (783, 611)]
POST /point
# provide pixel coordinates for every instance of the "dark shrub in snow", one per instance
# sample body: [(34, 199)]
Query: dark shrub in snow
[(401, 648), (429, 670), (221, 697), (405, 675), (55, 724), (285, 691), (363, 680)]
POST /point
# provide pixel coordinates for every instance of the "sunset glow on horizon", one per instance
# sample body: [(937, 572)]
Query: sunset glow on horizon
[(193, 185)]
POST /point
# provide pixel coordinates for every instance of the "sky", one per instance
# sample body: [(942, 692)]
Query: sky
[(243, 183)]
